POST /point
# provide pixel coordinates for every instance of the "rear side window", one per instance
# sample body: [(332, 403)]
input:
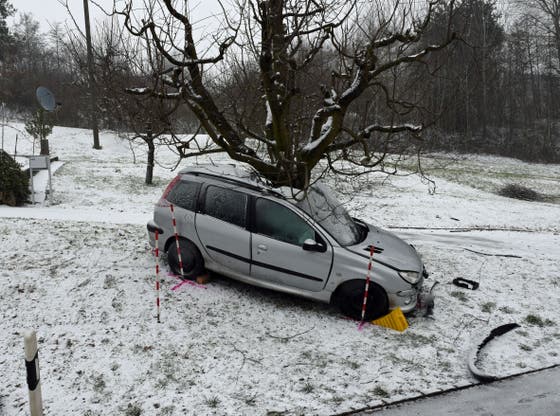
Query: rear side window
[(184, 195), (226, 205)]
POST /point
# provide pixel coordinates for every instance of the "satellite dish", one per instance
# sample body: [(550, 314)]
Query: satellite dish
[(46, 98)]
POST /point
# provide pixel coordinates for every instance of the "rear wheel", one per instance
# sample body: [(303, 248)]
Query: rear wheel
[(193, 263), (349, 298)]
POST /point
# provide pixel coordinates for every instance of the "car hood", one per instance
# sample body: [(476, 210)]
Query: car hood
[(389, 250)]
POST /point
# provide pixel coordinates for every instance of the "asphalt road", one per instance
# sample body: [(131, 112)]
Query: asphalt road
[(531, 394)]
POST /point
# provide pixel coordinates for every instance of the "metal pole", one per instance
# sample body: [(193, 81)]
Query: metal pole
[(3, 122), (92, 87), (50, 179), (31, 183), (33, 377)]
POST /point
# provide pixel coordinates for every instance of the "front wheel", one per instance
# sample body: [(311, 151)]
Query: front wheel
[(349, 298), (193, 263)]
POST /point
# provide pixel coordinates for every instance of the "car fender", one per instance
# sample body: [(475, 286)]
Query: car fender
[(350, 266)]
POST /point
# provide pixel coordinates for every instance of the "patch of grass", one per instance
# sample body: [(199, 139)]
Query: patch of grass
[(250, 400), (167, 410), (488, 307), (307, 354), (536, 320), (520, 192), (133, 410), (212, 402), (380, 392), (445, 366), (419, 339), (459, 295), (354, 365), (337, 399), (308, 388), (506, 309), (98, 383)]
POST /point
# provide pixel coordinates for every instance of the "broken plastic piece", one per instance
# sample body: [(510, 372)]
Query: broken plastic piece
[(465, 283), (473, 358)]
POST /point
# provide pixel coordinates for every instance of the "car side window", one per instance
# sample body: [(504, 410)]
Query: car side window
[(184, 195), (226, 205), (278, 222)]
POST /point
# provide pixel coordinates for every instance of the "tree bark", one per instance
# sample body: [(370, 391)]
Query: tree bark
[(151, 159)]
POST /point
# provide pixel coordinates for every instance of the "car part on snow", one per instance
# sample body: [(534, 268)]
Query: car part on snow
[(514, 256), (426, 302), (473, 357), (465, 283), (394, 320)]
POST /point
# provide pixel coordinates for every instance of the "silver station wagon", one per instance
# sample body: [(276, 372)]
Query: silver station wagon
[(231, 222)]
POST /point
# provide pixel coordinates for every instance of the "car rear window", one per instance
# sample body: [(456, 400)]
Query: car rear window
[(184, 195), (226, 205)]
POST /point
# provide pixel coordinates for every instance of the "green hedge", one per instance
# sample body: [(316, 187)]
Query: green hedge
[(14, 183)]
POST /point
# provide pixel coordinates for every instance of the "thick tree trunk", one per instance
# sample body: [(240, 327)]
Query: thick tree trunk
[(151, 157)]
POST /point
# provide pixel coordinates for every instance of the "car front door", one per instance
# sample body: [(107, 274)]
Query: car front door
[(221, 228), (277, 248)]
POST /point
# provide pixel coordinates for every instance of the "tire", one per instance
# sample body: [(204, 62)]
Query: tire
[(349, 297), (193, 263)]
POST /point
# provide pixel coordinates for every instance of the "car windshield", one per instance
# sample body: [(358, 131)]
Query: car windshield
[(324, 208)]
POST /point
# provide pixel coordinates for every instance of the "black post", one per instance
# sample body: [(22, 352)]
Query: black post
[(151, 155)]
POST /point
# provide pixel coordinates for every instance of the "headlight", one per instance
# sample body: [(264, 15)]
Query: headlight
[(410, 277)]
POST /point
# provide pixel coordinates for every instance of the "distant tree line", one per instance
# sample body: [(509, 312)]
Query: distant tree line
[(495, 89)]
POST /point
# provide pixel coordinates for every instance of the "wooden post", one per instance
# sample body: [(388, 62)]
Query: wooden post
[(33, 377), (91, 76)]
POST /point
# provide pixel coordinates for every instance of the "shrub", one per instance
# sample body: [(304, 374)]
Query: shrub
[(14, 183), (520, 192)]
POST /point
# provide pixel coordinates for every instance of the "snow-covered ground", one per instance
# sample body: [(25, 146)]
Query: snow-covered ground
[(78, 270)]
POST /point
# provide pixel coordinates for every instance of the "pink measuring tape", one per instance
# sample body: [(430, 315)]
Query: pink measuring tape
[(184, 282)]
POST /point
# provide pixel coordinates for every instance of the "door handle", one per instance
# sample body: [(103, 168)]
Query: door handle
[(262, 247)]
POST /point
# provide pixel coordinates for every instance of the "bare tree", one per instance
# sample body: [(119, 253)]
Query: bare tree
[(282, 40), (546, 13)]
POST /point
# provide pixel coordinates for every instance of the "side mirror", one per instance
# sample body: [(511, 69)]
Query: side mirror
[(312, 245)]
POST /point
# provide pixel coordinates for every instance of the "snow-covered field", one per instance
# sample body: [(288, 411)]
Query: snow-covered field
[(78, 270)]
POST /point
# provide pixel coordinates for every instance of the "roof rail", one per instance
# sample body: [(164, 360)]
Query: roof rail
[(245, 184)]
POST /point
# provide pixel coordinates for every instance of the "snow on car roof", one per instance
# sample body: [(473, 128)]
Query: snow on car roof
[(239, 173)]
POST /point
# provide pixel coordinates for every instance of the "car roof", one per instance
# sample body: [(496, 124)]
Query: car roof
[(239, 174)]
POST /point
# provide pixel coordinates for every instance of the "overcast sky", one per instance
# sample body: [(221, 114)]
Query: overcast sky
[(48, 12), (51, 11)]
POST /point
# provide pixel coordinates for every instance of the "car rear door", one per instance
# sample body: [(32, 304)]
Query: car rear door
[(277, 248), (221, 227)]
